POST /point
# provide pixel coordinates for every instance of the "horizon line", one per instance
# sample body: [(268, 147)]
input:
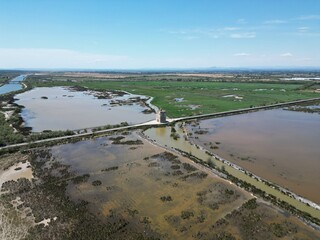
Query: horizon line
[(210, 69)]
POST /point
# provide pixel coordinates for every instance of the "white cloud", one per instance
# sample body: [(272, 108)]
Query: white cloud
[(304, 59), (178, 32), (242, 54), (309, 17), (191, 37), (286, 55), (231, 28), (243, 35), (303, 29), (275, 21), (56, 58), (241, 21), (224, 32)]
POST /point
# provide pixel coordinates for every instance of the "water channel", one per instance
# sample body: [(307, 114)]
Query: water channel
[(13, 85)]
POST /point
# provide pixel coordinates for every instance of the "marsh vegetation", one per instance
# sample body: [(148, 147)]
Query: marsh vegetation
[(94, 188)]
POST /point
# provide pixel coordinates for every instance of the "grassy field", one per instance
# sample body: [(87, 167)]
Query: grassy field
[(185, 98)]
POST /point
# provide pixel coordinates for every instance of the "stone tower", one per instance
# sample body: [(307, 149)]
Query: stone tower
[(161, 116)]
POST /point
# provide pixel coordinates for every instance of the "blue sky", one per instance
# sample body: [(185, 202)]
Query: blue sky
[(128, 34)]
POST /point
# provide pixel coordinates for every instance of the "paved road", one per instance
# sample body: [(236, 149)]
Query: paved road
[(154, 123), (78, 135)]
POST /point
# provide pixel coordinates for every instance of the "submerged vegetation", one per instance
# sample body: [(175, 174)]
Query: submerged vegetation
[(176, 210)]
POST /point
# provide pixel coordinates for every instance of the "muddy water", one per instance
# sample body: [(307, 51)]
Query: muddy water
[(133, 180), (162, 137), (59, 108), (280, 146)]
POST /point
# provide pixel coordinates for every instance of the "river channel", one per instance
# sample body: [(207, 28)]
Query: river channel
[(13, 85)]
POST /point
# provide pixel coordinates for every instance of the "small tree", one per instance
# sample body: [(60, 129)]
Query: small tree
[(211, 163)]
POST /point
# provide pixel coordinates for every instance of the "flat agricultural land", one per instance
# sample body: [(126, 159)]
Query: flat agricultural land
[(190, 95)]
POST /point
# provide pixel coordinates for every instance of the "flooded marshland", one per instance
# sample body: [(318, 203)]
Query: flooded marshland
[(278, 145), (124, 187), (59, 108), (150, 188)]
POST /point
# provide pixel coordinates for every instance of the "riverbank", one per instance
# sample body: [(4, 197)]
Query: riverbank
[(14, 85)]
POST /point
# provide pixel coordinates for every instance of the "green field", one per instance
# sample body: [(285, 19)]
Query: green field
[(209, 97)]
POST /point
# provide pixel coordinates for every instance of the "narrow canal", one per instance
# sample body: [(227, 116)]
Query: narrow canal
[(14, 85)]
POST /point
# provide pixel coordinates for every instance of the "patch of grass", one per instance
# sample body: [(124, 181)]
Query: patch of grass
[(81, 179), (189, 167), (166, 198), (96, 183), (251, 204), (110, 169), (186, 214)]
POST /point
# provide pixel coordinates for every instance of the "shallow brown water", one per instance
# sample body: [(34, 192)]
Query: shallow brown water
[(278, 145), (135, 187), (134, 190)]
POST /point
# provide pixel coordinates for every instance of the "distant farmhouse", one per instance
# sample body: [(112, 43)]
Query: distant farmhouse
[(161, 116)]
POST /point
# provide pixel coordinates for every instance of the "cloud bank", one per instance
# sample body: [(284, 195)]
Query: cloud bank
[(56, 58)]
